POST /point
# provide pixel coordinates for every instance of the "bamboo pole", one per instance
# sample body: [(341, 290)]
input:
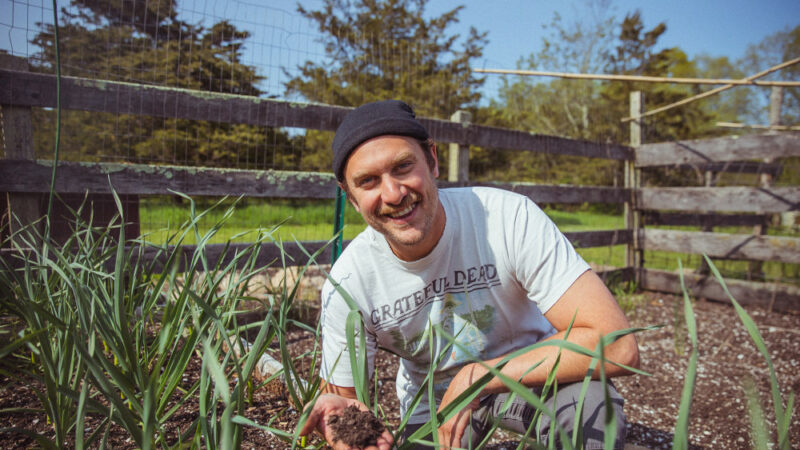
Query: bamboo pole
[(714, 91), (640, 78)]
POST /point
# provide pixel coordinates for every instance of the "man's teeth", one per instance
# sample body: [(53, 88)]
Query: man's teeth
[(402, 213)]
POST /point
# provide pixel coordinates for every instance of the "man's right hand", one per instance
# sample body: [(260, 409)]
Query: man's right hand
[(328, 405)]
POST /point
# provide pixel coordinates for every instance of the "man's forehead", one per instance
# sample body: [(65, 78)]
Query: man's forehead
[(400, 149)]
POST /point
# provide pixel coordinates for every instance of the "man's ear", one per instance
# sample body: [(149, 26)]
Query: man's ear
[(350, 199)]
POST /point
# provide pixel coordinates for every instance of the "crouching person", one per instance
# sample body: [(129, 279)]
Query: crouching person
[(485, 265)]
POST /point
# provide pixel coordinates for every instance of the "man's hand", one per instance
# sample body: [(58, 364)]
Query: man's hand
[(450, 432), (328, 405)]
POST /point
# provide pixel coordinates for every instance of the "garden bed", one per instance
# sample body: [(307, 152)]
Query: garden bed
[(719, 417)]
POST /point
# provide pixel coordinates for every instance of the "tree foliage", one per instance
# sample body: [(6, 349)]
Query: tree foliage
[(387, 49), (146, 42), (381, 49), (774, 49)]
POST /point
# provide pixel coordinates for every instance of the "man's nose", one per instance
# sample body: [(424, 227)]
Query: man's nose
[(392, 191)]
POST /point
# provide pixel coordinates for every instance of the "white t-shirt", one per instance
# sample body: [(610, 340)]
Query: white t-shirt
[(501, 263)]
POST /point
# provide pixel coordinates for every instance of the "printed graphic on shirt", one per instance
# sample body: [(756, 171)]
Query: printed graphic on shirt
[(456, 316), (459, 281)]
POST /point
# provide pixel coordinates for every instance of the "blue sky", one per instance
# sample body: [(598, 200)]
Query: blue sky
[(714, 27)]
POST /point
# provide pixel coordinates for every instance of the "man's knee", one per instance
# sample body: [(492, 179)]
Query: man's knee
[(593, 412), (518, 414)]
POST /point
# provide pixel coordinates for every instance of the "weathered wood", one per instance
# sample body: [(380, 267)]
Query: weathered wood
[(457, 154), (269, 254), (696, 152), (116, 97), (737, 167), (586, 239), (774, 296), (542, 193), (29, 176), (727, 246), (20, 209), (33, 89), (652, 218), (721, 199)]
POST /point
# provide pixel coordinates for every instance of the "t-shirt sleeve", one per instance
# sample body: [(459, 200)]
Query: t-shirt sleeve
[(546, 262), (335, 364)]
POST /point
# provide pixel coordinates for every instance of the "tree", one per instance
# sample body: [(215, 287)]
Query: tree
[(146, 42), (387, 49), (773, 50), (379, 49)]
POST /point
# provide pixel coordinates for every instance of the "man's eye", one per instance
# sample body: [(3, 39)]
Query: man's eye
[(365, 182)]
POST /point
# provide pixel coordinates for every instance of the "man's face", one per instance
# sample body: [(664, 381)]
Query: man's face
[(390, 183)]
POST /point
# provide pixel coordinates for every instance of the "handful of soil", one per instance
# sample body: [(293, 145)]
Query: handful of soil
[(356, 428)]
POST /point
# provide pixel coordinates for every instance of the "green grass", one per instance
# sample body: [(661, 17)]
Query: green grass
[(312, 220)]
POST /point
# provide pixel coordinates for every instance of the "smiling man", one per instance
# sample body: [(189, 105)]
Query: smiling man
[(484, 265)]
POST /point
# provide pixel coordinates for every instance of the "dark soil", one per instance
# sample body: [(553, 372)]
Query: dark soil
[(356, 428), (719, 417)]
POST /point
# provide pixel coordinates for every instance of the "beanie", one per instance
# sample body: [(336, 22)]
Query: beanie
[(386, 117)]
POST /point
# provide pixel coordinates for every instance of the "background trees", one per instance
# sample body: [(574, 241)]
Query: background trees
[(146, 42)]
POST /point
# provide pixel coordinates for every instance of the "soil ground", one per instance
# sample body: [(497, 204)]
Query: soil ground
[(719, 417)]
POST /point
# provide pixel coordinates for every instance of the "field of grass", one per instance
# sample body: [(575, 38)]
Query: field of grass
[(312, 220)]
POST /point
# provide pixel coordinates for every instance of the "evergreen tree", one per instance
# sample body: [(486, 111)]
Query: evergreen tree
[(382, 49), (147, 43)]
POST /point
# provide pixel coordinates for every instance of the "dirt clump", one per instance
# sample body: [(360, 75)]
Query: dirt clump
[(356, 428)]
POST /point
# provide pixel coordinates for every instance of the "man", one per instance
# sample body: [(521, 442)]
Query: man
[(484, 265)]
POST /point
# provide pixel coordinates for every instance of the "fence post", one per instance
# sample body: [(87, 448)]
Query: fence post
[(458, 155), (633, 255), (756, 268), (19, 209)]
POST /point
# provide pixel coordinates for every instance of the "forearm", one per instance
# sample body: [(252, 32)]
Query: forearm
[(572, 366)]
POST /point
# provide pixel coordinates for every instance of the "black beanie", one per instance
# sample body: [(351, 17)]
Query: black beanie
[(387, 117)]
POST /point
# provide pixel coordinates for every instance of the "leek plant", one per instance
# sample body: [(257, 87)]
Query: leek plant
[(111, 333)]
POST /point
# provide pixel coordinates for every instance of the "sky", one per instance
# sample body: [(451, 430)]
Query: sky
[(714, 27), (515, 27)]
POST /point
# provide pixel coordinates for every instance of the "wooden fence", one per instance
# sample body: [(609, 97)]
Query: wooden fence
[(24, 179)]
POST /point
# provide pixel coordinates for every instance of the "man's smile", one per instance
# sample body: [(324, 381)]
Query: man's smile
[(403, 212)]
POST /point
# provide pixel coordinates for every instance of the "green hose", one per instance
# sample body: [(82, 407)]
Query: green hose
[(338, 224)]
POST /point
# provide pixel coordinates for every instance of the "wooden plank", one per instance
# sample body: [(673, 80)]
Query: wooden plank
[(506, 139), (269, 254), (737, 167), (30, 176), (721, 199), (727, 246), (703, 220), (36, 89), (21, 209), (704, 151), (773, 296), (587, 239), (543, 193)]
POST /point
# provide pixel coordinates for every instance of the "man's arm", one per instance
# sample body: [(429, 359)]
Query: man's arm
[(596, 314)]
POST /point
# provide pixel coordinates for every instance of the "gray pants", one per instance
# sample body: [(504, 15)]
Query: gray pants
[(519, 414)]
